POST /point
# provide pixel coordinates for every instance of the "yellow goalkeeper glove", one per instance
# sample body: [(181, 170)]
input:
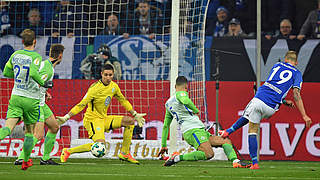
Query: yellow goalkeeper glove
[(139, 118), (62, 120)]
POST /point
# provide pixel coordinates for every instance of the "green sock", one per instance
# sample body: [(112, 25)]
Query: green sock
[(4, 132), (35, 140), (27, 146), (228, 149), (193, 156), (48, 145)]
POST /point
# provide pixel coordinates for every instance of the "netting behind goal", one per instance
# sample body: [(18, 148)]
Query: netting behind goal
[(141, 43)]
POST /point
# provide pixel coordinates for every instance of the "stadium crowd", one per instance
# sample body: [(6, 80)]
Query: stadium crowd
[(92, 17)]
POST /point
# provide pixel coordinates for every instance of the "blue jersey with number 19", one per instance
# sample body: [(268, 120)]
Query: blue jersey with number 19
[(282, 78)]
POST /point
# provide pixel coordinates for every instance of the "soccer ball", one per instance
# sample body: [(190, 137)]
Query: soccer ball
[(98, 149)]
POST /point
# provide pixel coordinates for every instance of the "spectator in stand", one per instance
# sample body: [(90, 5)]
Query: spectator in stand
[(34, 23), (285, 31), (311, 26), (219, 27), (4, 19), (234, 29), (147, 19), (113, 27), (69, 19)]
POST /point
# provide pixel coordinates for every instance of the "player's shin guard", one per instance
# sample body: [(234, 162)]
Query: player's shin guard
[(253, 147), (229, 151), (35, 141), (193, 156), (27, 146), (81, 148), (238, 124), (127, 137), (5, 131), (48, 145)]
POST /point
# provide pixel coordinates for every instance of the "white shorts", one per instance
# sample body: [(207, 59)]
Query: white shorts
[(257, 110)]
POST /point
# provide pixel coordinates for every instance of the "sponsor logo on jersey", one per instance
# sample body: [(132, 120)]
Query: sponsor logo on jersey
[(36, 61), (107, 101), (44, 77)]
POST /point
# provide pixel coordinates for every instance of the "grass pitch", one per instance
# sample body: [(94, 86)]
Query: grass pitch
[(91, 169)]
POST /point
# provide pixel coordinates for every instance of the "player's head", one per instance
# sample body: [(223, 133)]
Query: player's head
[(181, 83), (28, 38), (291, 57), (107, 72), (56, 52)]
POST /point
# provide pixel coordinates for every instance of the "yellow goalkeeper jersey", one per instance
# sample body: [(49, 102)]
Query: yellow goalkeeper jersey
[(98, 99)]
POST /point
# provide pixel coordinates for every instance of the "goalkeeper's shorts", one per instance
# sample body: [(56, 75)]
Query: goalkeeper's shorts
[(196, 136), (97, 126), (45, 113)]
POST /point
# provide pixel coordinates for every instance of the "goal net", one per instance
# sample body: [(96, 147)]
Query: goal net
[(139, 34)]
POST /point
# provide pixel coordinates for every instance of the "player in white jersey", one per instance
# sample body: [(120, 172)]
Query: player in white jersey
[(23, 66), (283, 77), (46, 116), (180, 107)]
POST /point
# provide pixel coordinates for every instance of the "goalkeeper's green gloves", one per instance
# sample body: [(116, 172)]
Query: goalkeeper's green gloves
[(139, 118), (62, 120)]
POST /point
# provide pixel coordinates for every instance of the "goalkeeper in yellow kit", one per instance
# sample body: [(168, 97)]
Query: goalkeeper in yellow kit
[(96, 121)]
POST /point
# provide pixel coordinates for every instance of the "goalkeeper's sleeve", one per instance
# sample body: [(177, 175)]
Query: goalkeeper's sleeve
[(183, 97), (166, 124)]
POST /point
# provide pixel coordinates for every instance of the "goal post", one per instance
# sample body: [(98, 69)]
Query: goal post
[(188, 25), (150, 63)]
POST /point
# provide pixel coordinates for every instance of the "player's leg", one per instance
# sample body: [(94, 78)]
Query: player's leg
[(128, 124), (7, 129), (31, 116), (37, 136), (14, 115), (226, 144), (50, 138), (243, 120), (95, 130), (253, 144), (199, 139)]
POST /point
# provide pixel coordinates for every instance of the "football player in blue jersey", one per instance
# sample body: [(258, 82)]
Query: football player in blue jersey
[(283, 77)]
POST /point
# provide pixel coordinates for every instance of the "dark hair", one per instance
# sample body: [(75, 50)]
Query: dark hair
[(55, 50), (107, 66), (28, 36), (105, 50), (181, 80)]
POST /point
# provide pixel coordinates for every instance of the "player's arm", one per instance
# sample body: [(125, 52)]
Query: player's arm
[(8, 70), (77, 108), (185, 100), (34, 71), (299, 103), (165, 130), (127, 105)]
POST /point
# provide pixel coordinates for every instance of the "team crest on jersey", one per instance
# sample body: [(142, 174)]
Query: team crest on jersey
[(98, 128), (36, 61), (107, 101), (183, 94), (44, 77), (113, 89)]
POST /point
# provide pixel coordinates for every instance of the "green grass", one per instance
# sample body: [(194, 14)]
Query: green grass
[(100, 169)]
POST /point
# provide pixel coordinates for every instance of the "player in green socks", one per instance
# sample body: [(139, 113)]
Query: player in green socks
[(24, 102), (185, 112), (46, 115)]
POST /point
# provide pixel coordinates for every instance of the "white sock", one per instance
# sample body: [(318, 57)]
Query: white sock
[(236, 161), (176, 159)]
